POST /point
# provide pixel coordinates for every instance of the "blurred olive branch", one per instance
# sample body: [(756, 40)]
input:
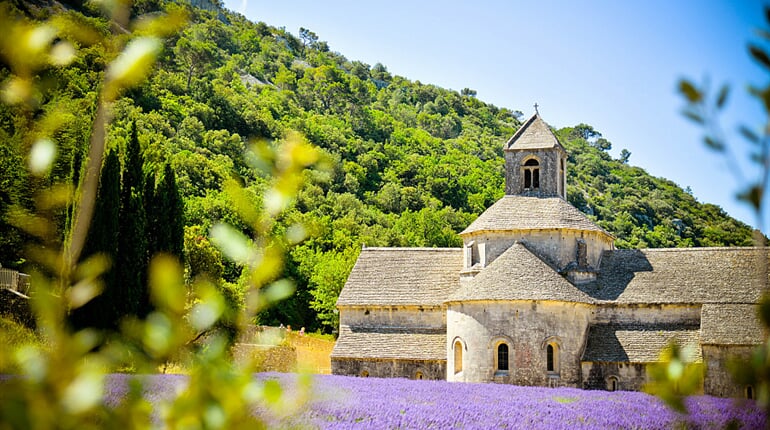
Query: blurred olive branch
[(63, 383), (675, 377)]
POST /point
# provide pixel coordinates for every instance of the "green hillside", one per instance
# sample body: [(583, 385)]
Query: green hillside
[(406, 163)]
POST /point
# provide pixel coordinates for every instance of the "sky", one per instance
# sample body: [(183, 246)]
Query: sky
[(612, 64)]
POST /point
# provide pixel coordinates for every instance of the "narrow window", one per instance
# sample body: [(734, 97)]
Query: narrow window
[(536, 178), (549, 358), (612, 383), (418, 375), (527, 179), (458, 357), (750, 392), (502, 357)]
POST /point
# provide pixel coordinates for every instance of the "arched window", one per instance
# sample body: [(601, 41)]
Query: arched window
[(458, 357), (502, 356), (419, 375), (561, 178), (549, 358), (612, 383), (750, 392), (551, 346), (531, 174)]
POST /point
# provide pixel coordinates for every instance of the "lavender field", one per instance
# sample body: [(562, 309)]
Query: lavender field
[(339, 402)]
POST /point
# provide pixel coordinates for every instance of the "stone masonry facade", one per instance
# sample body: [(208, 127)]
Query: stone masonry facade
[(538, 295)]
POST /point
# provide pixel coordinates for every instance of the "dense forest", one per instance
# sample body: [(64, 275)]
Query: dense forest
[(404, 163)]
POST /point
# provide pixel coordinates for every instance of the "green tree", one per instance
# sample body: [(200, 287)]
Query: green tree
[(170, 215), (195, 52), (132, 241), (326, 273), (104, 310), (625, 154)]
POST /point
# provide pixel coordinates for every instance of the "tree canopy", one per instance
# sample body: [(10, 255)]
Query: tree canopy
[(404, 163)]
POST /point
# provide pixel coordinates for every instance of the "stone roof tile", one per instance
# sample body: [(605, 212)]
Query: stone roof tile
[(731, 324), (681, 275), (517, 274), (638, 342), (402, 276), (515, 212), (533, 134), (390, 343)]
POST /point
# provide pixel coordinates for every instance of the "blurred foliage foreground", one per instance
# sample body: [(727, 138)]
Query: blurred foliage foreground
[(60, 382), (675, 378)]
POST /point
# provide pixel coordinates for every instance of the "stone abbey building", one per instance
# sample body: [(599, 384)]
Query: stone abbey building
[(538, 295)]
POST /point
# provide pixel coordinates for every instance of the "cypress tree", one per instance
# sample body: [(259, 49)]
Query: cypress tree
[(103, 311), (132, 243), (170, 216), (152, 211)]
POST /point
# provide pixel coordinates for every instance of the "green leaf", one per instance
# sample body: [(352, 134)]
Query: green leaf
[(764, 310), (764, 34), (722, 97), (41, 156), (234, 244), (132, 65), (714, 144), (749, 134), (753, 196), (687, 89), (693, 116), (760, 55)]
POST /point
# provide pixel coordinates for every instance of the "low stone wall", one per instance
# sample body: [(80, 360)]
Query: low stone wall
[(268, 358), (410, 369)]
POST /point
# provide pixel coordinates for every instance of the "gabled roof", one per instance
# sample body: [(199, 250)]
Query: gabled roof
[(402, 276), (518, 274), (728, 324), (681, 275), (637, 342), (515, 212), (533, 134), (385, 343)]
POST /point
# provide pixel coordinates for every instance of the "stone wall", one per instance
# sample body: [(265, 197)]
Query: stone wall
[(647, 313), (718, 381), (628, 376), (393, 316), (527, 328), (548, 161), (557, 247), (267, 358), (410, 369)]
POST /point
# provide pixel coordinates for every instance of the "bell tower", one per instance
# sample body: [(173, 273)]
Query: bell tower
[(535, 161)]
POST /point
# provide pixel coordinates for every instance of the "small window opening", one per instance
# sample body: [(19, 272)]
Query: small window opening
[(458, 357), (502, 357), (750, 392), (364, 373), (549, 358), (612, 384), (419, 375), (531, 174)]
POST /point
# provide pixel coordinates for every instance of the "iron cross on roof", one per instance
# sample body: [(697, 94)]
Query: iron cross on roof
[(536, 105)]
